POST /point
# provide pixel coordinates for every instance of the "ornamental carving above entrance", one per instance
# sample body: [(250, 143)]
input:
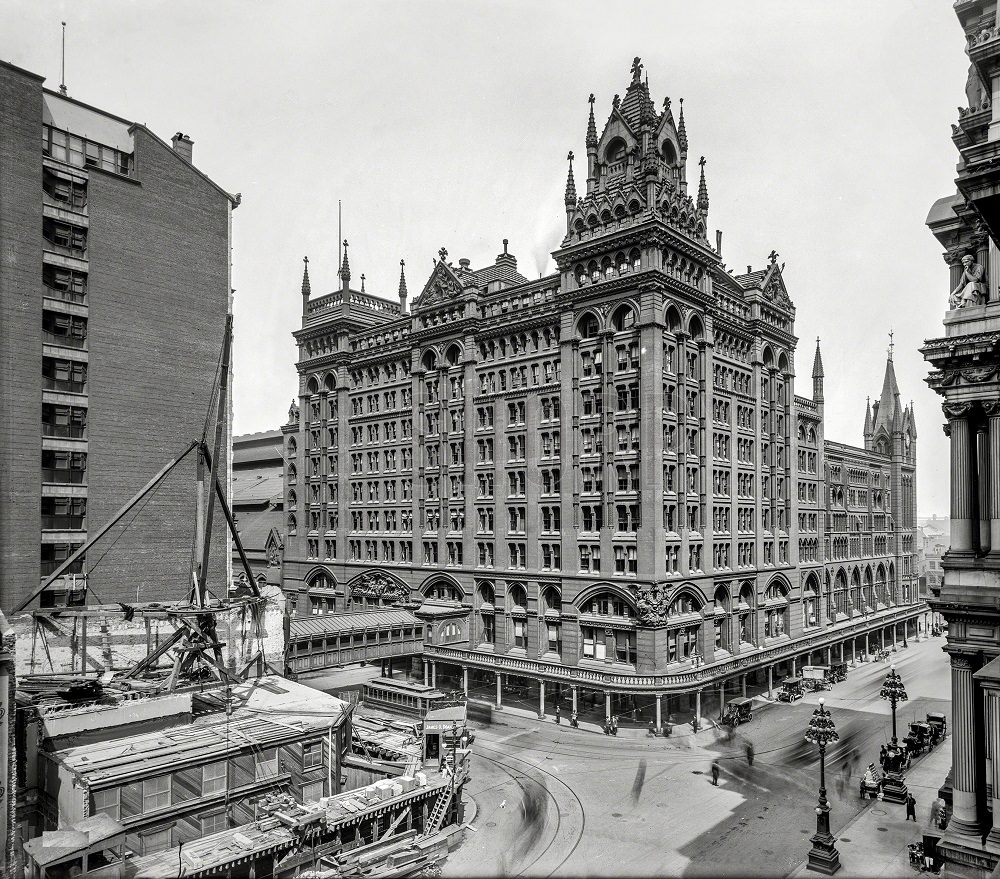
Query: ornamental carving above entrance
[(378, 587)]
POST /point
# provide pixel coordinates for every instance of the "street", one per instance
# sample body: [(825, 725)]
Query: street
[(558, 801)]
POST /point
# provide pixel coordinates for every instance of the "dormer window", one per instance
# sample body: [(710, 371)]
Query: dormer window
[(616, 151)]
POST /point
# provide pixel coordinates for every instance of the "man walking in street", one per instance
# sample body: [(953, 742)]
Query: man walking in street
[(911, 808), (750, 753), (715, 773), (558, 715)]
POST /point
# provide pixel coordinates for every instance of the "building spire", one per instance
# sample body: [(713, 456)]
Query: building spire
[(702, 189), (591, 125), (868, 417), (345, 269), (817, 375), (682, 136), (570, 184), (306, 287)]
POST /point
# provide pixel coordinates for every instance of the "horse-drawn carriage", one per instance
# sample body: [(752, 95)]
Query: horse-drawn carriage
[(919, 737)]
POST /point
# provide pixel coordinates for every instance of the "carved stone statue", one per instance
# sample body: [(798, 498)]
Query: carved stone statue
[(293, 413), (971, 289), (974, 91)]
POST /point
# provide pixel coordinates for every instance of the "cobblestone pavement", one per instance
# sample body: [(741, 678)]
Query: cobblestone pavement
[(558, 801)]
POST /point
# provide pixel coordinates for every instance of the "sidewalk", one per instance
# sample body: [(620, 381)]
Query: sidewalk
[(874, 843)]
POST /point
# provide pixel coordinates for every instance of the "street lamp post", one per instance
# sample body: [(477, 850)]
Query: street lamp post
[(894, 789), (823, 856)]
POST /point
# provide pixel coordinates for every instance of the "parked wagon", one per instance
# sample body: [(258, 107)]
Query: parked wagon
[(938, 724), (871, 782), (816, 677), (918, 739)]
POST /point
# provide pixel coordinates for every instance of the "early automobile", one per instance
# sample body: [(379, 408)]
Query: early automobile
[(791, 689), (738, 711), (838, 672)]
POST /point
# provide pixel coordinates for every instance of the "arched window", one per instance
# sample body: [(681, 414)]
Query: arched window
[(329, 382), (292, 446), (312, 386), (429, 360), (607, 604), (775, 611), (453, 355), (551, 600), (291, 526), (722, 622), (810, 602), (517, 597), (623, 318), (321, 598), (616, 151), (746, 607), (589, 327), (442, 590)]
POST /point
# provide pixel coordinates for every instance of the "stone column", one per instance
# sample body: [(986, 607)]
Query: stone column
[(659, 714), (993, 728), (573, 691), (499, 691), (426, 673), (541, 699), (992, 410), (697, 705), (770, 681), (465, 680), (743, 685), (434, 673), (963, 479), (722, 698), (965, 818), (607, 706)]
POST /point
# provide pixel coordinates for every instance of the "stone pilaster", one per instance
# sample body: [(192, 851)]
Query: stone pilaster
[(985, 481), (965, 822), (992, 410), (993, 731), (963, 482)]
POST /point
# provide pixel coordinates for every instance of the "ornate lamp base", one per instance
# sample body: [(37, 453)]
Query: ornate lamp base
[(894, 788), (823, 856)]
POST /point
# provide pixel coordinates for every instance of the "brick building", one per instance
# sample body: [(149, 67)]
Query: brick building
[(113, 241), (605, 474)]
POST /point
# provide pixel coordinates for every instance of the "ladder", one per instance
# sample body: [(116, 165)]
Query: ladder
[(436, 818)]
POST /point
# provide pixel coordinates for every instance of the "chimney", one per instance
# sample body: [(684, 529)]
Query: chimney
[(465, 263), (183, 146), (718, 241)]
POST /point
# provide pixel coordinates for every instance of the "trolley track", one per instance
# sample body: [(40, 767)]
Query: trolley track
[(497, 758)]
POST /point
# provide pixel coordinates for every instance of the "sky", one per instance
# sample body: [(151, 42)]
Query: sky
[(438, 123)]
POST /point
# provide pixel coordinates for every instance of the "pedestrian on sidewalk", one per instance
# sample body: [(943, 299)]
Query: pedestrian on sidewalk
[(911, 808), (715, 773), (558, 715), (750, 753), (882, 755)]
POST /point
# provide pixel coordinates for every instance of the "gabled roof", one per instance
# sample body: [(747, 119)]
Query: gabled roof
[(889, 416), (443, 284)]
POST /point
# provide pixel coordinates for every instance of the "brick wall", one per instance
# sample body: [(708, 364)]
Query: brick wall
[(20, 333), (159, 294)]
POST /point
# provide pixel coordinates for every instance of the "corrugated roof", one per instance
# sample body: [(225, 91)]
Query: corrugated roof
[(329, 624), (262, 484)]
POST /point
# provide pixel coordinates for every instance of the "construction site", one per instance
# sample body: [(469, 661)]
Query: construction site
[(161, 738)]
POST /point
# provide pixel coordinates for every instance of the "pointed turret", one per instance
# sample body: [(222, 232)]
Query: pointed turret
[(345, 270), (682, 136), (403, 293), (591, 148), (817, 375), (591, 126), (306, 287), (913, 422), (570, 185), (868, 421), (702, 189)]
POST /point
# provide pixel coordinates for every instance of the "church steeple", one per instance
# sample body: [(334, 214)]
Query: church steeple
[(868, 422), (889, 415), (817, 375)]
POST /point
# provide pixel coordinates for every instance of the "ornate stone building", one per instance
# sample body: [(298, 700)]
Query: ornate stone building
[(601, 478), (966, 372)]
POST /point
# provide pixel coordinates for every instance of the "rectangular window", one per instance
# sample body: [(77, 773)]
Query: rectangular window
[(106, 802), (214, 823), (312, 755), (266, 764), (155, 793), (213, 777)]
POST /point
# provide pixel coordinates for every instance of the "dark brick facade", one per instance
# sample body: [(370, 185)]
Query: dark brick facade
[(20, 331), (156, 259)]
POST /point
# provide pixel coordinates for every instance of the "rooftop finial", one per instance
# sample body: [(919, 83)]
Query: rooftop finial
[(773, 256), (636, 69), (615, 101), (443, 253), (403, 292), (505, 246), (890, 344), (362, 282)]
